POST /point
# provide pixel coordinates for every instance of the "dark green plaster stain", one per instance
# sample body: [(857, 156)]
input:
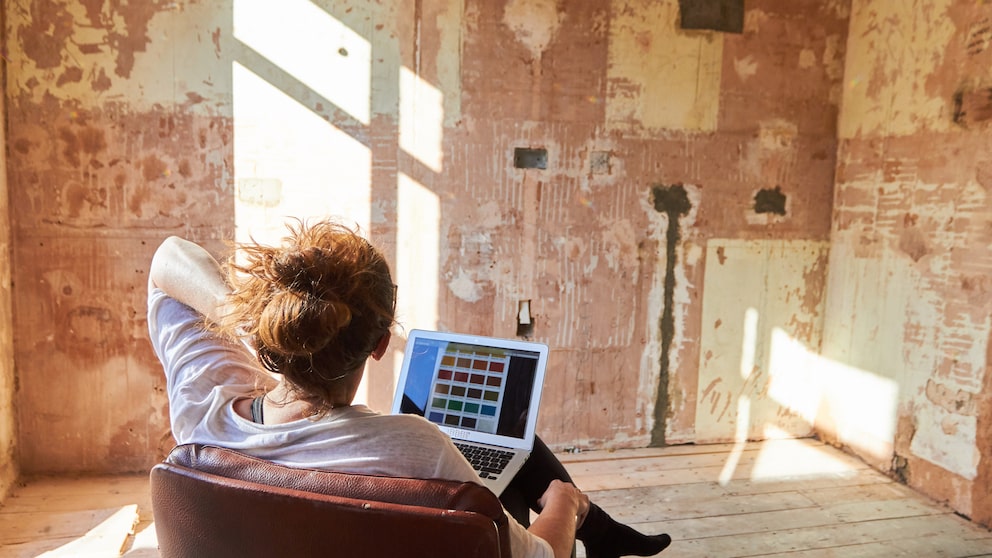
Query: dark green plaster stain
[(673, 201)]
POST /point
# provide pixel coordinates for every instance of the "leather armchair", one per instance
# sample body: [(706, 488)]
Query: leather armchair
[(215, 502)]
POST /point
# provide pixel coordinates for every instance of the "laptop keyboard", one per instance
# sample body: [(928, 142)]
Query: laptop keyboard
[(489, 462)]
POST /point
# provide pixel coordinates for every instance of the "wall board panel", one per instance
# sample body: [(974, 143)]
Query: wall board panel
[(755, 291)]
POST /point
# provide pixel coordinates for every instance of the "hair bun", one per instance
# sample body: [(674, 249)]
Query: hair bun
[(294, 323), (294, 269)]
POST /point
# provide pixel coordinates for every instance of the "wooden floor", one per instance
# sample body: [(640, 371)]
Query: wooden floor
[(790, 498)]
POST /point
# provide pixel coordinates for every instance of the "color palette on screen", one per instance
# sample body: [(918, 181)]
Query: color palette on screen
[(468, 390)]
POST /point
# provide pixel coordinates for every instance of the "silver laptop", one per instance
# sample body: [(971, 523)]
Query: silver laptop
[(483, 392)]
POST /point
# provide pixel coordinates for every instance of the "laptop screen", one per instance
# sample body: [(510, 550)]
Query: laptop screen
[(475, 386)]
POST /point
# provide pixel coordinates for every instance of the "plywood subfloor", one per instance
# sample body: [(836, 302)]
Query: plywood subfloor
[(783, 499)]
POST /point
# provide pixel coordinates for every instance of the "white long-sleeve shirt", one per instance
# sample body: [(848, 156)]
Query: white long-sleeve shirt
[(206, 374)]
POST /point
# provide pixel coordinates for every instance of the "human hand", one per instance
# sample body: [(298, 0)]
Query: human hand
[(565, 493)]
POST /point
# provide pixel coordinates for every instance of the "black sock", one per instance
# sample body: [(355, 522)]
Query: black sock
[(603, 537)]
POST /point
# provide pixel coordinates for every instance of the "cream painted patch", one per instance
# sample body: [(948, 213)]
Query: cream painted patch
[(755, 293), (777, 134), (177, 63), (449, 19), (948, 440), (865, 289), (463, 287), (770, 158), (833, 65), (693, 252), (746, 67), (893, 49), (753, 20), (904, 314), (534, 22), (833, 57), (659, 77), (807, 58)]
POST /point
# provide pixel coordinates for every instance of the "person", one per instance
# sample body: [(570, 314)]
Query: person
[(265, 353)]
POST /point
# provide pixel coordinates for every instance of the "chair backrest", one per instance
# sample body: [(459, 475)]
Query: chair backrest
[(211, 501)]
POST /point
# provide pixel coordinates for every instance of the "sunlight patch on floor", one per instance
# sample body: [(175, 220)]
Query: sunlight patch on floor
[(794, 459)]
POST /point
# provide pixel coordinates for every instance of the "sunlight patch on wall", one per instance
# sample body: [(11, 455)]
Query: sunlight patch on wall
[(417, 254), (857, 406), (421, 120), (290, 162), (794, 383), (315, 48), (418, 223)]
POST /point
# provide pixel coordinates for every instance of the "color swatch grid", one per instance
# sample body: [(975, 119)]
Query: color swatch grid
[(468, 389)]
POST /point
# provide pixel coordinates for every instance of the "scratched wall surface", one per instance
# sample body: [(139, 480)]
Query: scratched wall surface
[(214, 120), (908, 300)]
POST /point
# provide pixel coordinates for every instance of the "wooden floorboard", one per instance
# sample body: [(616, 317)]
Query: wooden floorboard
[(780, 499), (786, 498), (83, 517)]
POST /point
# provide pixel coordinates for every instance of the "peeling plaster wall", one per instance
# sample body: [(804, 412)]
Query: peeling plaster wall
[(216, 119), (908, 301), (119, 134), (627, 105)]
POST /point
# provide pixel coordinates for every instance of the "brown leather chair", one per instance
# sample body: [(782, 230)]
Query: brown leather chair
[(215, 502)]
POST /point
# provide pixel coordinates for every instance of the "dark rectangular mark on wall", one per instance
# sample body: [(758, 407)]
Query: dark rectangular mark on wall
[(973, 107), (712, 15), (770, 200), (528, 158)]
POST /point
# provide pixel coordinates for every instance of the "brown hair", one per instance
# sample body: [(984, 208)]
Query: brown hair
[(314, 308)]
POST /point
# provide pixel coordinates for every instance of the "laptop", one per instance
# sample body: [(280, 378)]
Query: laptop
[(483, 392)]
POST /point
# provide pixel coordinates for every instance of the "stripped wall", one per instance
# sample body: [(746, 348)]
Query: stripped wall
[(217, 119), (119, 133), (909, 298), (659, 142)]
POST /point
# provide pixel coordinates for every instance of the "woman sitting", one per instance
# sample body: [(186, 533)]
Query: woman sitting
[(311, 313)]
